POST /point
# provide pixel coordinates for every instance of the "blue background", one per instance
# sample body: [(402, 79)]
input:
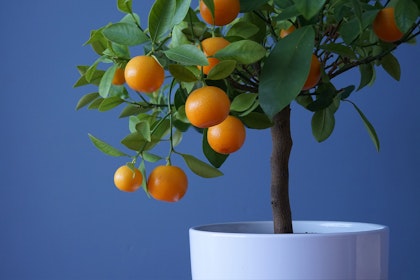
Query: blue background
[(62, 218)]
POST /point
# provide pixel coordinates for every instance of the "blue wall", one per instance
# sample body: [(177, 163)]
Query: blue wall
[(62, 218)]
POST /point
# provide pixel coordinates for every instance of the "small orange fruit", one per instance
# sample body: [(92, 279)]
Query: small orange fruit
[(385, 26), (210, 47), (225, 11), (119, 78), (144, 74), (228, 136), (314, 74), (285, 32), (167, 183), (207, 106), (127, 180)]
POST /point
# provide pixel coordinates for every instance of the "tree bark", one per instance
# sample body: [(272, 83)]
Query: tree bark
[(282, 146)]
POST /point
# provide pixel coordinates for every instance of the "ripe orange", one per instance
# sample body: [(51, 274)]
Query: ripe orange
[(225, 11), (167, 183), (144, 74), (314, 74), (228, 136), (119, 78), (285, 32), (385, 26), (207, 106), (210, 47), (127, 180)]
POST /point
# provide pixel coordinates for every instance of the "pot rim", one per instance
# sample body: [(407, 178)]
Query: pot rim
[(263, 228)]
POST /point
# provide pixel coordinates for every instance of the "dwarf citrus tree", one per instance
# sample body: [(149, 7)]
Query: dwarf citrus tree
[(225, 66)]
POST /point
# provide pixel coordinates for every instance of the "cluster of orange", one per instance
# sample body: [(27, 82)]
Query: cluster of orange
[(208, 107)]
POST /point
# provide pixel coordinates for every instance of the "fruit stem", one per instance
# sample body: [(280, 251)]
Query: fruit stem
[(282, 147)]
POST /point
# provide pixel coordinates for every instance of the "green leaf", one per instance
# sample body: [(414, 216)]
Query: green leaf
[(339, 49), (309, 8), (86, 99), (181, 10), (124, 33), (187, 55), (391, 66), (182, 73), (96, 103), (106, 148), (125, 6), (345, 92), (350, 30), (215, 158), (256, 120), (325, 96), (250, 5), (98, 41), (243, 102), (161, 19), (150, 157), (243, 29), (406, 14), (369, 127), (201, 168), (143, 128), (133, 109), (110, 103), (367, 73), (323, 123), (210, 6), (285, 70), (94, 80), (106, 81), (244, 52), (288, 13), (222, 70)]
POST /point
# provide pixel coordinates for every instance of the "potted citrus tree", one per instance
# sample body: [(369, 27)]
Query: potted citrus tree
[(222, 67)]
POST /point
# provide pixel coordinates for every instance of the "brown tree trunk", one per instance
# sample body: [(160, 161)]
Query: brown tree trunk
[(282, 146)]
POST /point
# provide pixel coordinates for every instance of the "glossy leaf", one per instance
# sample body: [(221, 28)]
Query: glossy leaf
[(182, 73), (369, 127), (127, 34), (309, 8), (187, 55), (215, 158), (256, 120), (125, 6), (86, 100), (222, 70), (181, 10), (242, 29), (391, 66), (106, 81), (243, 102), (406, 14), (201, 168), (285, 70), (339, 49), (106, 148), (244, 52), (110, 103), (323, 123), (367, 75), (161, 19), (133, 109), (250, 5), (325, 96)]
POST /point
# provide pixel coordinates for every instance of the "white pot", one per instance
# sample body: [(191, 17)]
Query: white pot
[(317, 250)]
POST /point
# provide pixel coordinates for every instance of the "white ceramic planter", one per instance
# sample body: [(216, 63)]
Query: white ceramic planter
[(317, 250)]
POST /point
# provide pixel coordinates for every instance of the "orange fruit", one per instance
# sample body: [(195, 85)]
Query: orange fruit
[(211, 46), (127, 180), (314, 74), (207, 106), (285, 32), (385, 27), (118, 78), (167, 183), (144, 74), (225, 11), (228, 136)]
